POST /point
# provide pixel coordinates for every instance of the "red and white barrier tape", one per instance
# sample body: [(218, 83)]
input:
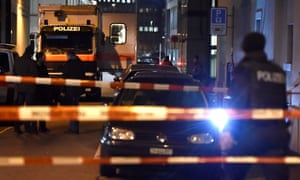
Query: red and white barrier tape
[(135, 113), (102, 84), (114, 85), (55, 160)]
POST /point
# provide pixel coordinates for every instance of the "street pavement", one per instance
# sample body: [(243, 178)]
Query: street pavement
[(57, 143), (53, 143)]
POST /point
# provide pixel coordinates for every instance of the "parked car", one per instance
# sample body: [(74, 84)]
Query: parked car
[(147, 60), (7, 59), (161, 138), (8, 93), (134, 68)]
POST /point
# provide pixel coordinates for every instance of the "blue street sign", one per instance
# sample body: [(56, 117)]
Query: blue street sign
[(218, 15), (218, 21)]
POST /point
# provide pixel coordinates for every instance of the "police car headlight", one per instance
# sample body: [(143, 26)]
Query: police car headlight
[(219, 118), (121, 134), (205, 138)]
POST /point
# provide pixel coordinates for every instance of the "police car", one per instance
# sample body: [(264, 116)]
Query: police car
[(160, 138), (8, 56)]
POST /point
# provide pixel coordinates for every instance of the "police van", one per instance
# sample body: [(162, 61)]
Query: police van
[(8, 56)]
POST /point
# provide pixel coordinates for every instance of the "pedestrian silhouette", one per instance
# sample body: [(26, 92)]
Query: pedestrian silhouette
[(73, 69), (44, 92), (26, 66)]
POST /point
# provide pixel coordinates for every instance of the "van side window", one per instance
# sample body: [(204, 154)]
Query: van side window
[(118, 33)]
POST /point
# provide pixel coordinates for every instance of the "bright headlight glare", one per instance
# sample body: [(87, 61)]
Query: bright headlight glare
[(121, 134), (219, 117)]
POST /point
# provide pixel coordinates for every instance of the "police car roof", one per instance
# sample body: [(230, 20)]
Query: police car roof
[(134, 68), (163, 77), (152, 66)]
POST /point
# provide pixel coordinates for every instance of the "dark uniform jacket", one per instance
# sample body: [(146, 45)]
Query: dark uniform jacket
[(45, 93), (25, 66), (74, 69), (258, 83)]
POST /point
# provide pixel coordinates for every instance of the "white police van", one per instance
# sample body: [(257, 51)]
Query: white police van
[(8, 56)]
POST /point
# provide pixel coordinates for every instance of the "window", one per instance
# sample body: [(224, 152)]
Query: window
[(118, 33), (258, 21), (161, 98), (148, 29), (213, 56), (56, 41)]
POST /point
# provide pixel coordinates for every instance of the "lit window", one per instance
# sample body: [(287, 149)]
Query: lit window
[(118, 33), (141, 29), (151, 22), (258, 21), (213, 40), (146, 29), (151, 29), (213, 63), (155, 29)]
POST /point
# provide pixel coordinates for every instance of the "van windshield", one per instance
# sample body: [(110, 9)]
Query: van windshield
[(60, 41)]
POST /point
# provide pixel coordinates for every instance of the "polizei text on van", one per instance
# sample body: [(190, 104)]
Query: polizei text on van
[(66, 28)]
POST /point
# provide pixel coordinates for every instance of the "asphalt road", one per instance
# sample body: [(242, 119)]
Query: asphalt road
[(57, 143), (53, 143)]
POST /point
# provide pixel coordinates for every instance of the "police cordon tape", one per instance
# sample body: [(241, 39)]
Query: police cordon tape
[(103, 84), (114, 85), (77, 160), (136, 113)]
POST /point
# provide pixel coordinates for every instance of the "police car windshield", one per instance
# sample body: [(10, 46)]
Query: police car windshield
[(161, 98)]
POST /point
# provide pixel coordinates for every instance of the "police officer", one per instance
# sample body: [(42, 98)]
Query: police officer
[(257, 83), (26, 66), (44, 93), (73, 69)]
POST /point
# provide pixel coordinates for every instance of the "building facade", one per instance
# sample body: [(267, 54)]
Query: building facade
[(187, 34), (150, 27), (14, 22)]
